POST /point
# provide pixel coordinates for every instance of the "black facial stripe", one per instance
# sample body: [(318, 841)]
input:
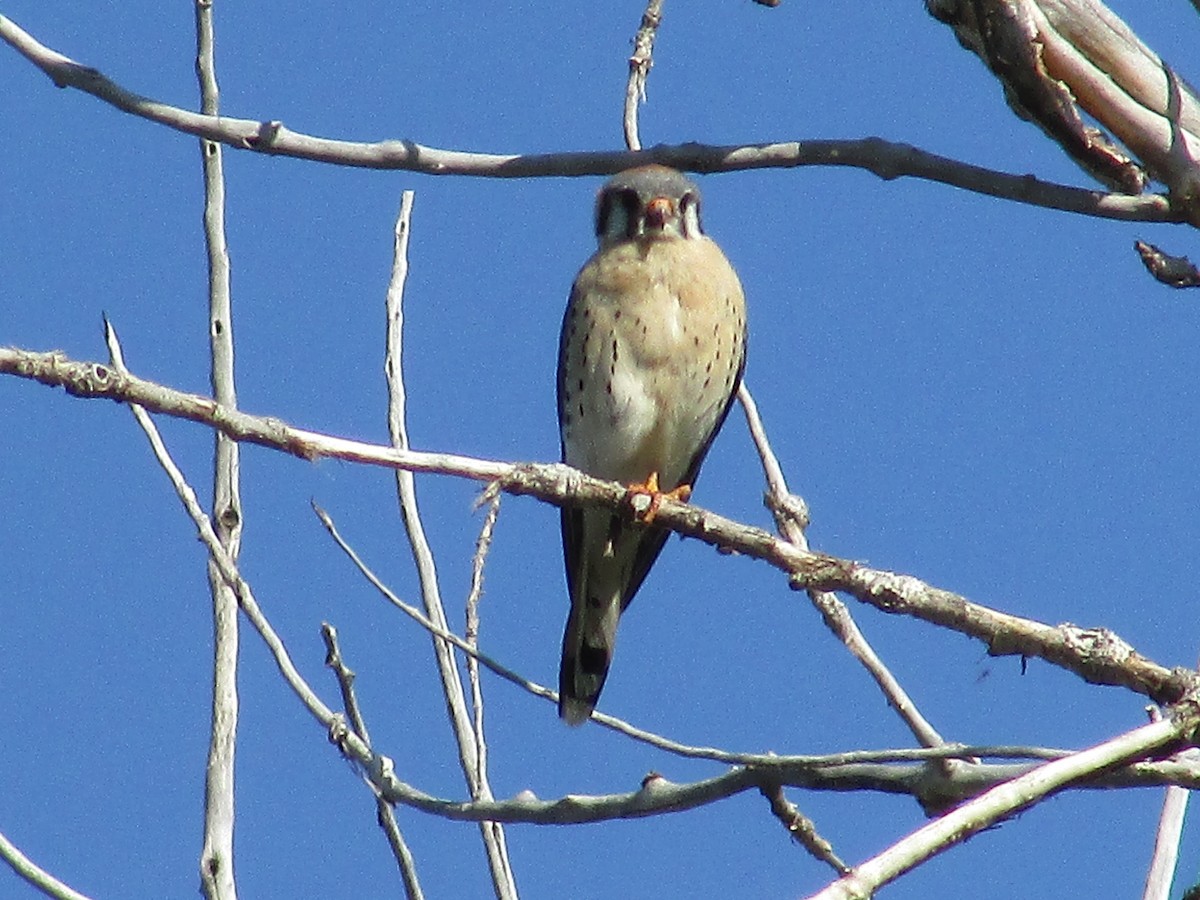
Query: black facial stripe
[(633, 212)]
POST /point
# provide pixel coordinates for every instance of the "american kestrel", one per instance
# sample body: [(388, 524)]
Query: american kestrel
[(652, 350)]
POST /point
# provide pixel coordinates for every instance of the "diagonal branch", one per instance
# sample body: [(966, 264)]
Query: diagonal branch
[(1003, 801), (802, 829), (472, 623), (656, 795), (1095, 654), (886, 159), (935, 788), (27, 869), (791, 518)]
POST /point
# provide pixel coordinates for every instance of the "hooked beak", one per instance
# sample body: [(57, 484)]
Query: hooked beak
[(659, 212)]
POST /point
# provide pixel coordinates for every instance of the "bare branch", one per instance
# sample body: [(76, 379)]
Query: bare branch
[(473, 766), (345, 678), (351, 744), (658, 795), (440, 632), (1007, 37), (1003, 801), (27, 869), (482, 544), (1055, 57), (1166, 844), (216, 856), (639, 70), (791, 518), (886, 159), (1095, 654), (802, 829), (1161, 872), (935, 788), (384, 814)]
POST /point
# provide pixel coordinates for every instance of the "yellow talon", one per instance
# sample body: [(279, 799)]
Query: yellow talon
[(651, 488)]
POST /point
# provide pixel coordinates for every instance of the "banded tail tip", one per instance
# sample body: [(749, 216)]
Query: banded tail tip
[(574, 711)]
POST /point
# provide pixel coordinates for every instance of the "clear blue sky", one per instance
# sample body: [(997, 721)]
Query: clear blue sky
[(994, 398)]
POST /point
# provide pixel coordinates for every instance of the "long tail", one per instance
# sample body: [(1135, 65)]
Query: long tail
[(607, 559), (587, 648)]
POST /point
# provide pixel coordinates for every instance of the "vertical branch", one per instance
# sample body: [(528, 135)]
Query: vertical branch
[(482, 545), (216, 859), (456, 705), (1166, 844), (639, 69), (1163, 862)]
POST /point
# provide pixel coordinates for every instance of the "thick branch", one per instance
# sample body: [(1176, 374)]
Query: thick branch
[(1096, 655), (886, 159), (1055, 58)]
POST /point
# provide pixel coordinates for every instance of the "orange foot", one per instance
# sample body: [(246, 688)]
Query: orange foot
[(650, 488)]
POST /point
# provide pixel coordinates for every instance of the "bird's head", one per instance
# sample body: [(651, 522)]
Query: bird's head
[(648, 203)]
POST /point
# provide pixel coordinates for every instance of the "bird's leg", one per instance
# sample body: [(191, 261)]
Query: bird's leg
[(651, 489)]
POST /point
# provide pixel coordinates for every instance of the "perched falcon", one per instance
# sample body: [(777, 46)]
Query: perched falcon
[(652, 350)]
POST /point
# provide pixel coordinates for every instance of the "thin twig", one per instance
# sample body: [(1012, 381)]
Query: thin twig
[(216, 857), (801, 829), (659, 795), (640, 63), (384, 814), (1097, 655), (503, 879), (441, 633), (32, 873), (345, 676), (471, 631), (791, 518), (886, 159), (352, 745)]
